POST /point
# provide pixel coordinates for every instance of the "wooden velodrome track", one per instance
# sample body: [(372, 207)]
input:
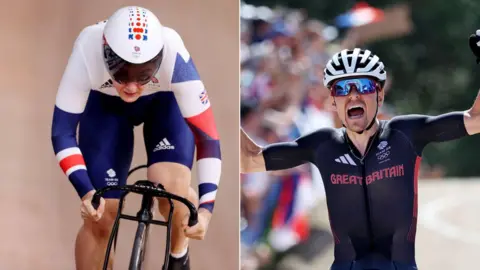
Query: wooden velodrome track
[(39, 208)]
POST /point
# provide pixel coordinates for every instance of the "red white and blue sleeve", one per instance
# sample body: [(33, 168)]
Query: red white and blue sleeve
[(70, 102), (195, 106)]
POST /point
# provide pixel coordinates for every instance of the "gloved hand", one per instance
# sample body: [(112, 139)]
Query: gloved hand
[(474, 42)]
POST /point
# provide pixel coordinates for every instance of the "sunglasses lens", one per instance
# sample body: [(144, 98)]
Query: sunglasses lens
[(361, 85), (340, 91)]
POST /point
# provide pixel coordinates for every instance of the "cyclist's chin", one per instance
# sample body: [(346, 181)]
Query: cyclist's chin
[(356, 124), (129, 97)]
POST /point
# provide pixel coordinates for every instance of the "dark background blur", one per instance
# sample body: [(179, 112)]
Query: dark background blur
[(285, 45)]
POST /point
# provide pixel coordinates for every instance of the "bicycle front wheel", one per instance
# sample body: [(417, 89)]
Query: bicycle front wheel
[(139, 247)]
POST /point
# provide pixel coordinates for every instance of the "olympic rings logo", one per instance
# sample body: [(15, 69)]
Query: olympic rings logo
[(383, 155)]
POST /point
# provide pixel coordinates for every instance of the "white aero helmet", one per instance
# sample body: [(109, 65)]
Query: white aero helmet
[(352, 63), (133, 45)]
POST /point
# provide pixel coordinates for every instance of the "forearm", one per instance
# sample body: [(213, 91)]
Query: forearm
[(209, 167), (209, 164), (251, 158), (66, 150), (472, 117)]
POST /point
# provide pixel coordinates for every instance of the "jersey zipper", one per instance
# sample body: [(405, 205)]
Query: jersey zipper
[(367, 206), (368, 212)]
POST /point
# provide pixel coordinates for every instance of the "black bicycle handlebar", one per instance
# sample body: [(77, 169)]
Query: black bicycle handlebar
[(144, 187)]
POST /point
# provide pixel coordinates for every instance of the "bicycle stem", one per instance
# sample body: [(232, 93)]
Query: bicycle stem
[(145, 213)]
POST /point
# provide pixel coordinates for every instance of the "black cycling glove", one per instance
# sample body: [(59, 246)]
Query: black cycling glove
[(474, 42)]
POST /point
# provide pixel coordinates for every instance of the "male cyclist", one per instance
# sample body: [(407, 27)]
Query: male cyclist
[(369, 166), (128, 70)]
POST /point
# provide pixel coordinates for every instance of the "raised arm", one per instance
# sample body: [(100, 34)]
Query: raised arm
[(251, 158), (472, 117), (424, 129), (449, 126), (278, 156)]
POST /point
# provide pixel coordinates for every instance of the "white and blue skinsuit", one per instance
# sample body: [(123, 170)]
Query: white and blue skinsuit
[(174, 108)]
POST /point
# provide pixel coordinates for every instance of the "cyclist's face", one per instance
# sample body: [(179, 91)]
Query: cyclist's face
[(355, 110), (129, 92), (141, 74)]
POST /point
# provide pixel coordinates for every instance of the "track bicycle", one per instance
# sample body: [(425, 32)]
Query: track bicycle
[(144, 217)]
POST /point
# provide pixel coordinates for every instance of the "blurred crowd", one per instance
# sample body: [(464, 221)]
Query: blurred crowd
[(283, 53)]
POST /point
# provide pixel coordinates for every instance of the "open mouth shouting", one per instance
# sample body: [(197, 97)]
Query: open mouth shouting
[(355, 111)]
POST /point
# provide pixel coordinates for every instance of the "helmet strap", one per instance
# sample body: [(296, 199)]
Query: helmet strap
[(373, 120)]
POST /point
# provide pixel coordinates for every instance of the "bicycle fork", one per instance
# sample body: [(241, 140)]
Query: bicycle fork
[(144, 216)]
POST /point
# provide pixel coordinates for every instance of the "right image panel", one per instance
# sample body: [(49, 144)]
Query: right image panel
[(358, 138)]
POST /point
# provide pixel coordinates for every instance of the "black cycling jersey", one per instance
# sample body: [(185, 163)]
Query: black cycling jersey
[(379, 219)]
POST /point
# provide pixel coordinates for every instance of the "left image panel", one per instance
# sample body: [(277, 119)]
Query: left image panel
[(120, 135)]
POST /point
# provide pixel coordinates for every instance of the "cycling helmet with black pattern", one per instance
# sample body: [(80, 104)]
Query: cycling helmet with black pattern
[(353, 63)]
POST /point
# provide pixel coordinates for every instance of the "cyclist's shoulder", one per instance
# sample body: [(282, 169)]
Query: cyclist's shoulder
[(178, 65), (90, 35), (407, 121), (407, 125), (86, 60), (174, 42), (88, 45), (171, 35)]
